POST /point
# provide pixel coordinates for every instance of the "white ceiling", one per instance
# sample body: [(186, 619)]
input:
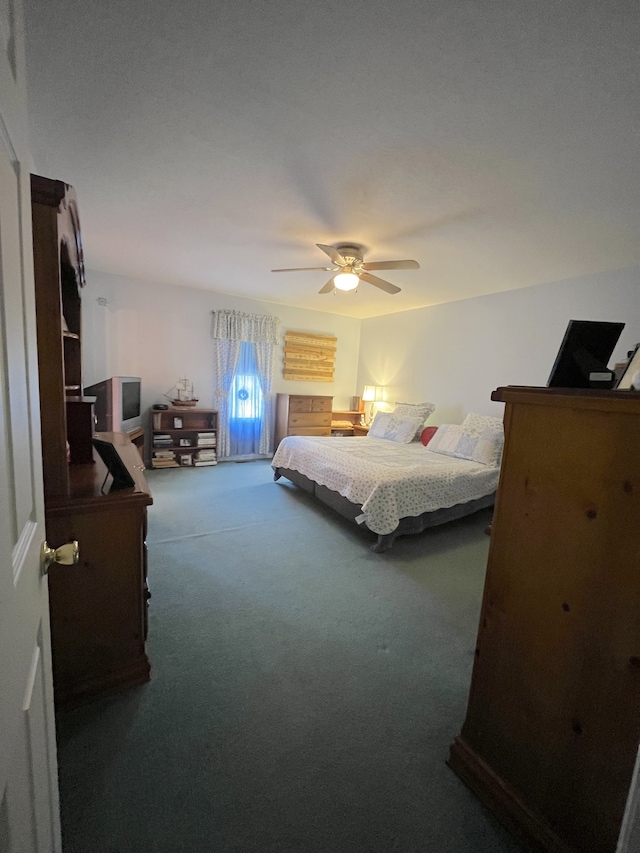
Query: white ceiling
[(496, 142)]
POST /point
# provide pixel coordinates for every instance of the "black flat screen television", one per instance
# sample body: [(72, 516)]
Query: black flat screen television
[(584, 355)]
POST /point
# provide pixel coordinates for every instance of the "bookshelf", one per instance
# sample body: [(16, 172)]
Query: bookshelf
[(183, 437)]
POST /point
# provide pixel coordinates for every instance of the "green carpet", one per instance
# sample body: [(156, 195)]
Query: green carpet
[(304, 690)]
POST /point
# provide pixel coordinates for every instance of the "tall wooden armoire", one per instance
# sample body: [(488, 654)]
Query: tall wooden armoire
[(553, 720)]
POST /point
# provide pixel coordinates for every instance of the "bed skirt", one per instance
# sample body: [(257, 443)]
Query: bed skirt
[(408, 525)]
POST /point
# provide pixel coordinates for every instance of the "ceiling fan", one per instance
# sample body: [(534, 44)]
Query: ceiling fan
[(350, 269)]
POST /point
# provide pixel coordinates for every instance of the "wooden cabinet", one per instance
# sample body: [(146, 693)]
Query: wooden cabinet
[(183, 436), (553, 720), (98, 607), (302, 414)]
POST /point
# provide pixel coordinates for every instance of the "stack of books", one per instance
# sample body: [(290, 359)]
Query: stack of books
[(162, 439), (205, 457), (206, 439), (164, 459)]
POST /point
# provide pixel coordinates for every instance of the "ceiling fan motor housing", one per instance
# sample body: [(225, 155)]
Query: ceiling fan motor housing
[(352, 254)]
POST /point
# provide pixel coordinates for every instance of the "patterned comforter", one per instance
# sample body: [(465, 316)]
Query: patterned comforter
[(390, 480)]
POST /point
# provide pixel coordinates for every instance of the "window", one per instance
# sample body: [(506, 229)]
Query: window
[(246, 405)]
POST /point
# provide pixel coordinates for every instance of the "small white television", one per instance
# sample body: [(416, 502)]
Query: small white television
[(117, 406)]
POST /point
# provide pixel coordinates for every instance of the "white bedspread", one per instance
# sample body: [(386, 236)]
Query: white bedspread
[(390, 480)]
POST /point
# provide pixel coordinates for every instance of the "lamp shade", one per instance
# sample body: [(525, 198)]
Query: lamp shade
[(369, 393), (373, 394)]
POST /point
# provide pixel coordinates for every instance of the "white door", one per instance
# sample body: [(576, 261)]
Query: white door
[(29, 813)]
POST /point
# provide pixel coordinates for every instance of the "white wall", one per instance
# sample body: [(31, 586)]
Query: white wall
[(456, 354), (162, 332)]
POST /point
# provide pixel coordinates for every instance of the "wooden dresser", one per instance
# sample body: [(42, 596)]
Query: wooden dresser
[(553, 720), (302, 414)]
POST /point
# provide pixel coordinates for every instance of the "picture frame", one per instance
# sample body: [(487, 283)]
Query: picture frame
[(186, 460), (185, 442), (633, 366), (121, 478), (177, 422)]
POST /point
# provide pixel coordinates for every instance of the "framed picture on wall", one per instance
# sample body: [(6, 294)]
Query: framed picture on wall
[(626, 380)]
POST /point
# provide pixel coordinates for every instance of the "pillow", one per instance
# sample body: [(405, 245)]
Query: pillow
[(387, 425), (452, 440), (439, 435), (415, 410), (484, 448), (488, 450), (427, 434), (475, 423)]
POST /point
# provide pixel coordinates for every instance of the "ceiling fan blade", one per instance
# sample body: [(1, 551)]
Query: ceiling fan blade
[(379, 282), (392, 265), (302, 269), (329, 286), (335, 256)]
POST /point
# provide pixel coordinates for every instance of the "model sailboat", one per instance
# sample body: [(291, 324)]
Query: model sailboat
[(182, 393)]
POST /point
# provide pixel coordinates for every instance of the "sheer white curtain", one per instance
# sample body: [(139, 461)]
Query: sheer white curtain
[(230, 329)]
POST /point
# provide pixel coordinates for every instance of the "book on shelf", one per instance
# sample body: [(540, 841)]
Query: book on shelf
[(157, 420), (201, 464), (164, 463), (205, 457), (163, 454)]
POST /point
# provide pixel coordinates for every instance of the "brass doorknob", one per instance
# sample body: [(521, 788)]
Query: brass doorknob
[(65, 555)]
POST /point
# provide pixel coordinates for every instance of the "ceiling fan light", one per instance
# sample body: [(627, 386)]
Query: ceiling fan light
[(346, 281)]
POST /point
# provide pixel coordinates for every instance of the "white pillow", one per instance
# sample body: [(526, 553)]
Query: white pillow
[(415, 410), (438, 437), (475, 423), (488, 450), (387, 425), (454, 440)]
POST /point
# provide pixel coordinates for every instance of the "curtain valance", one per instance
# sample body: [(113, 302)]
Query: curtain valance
[(237, 326)]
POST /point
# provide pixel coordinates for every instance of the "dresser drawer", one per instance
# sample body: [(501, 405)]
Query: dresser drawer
[(306, 403), (309, 419), (321, 404), (326, 430)]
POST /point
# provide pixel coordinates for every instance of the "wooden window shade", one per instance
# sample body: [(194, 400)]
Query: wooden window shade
[(309, 358)]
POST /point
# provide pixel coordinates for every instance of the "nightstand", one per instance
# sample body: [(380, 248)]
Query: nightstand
[(360, 429)]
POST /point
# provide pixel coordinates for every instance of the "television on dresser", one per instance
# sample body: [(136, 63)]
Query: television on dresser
[(584, 355), (117, 406)]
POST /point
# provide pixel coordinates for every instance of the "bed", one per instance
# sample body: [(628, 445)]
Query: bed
[(388, 487)]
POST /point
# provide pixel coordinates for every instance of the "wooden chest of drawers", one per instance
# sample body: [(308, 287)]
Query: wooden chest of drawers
[(302, 414)]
